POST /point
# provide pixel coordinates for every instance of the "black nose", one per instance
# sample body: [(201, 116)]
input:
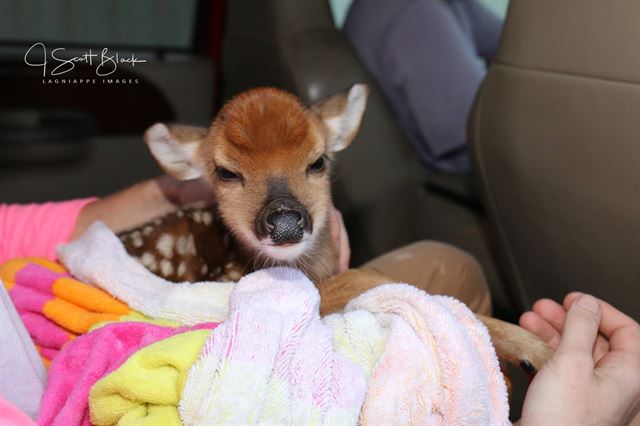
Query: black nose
[(285, 226)]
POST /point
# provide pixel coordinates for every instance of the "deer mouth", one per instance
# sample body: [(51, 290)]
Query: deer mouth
[(287, 251)]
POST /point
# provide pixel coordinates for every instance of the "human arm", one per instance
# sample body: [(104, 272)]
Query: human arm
[(142, 202), (37, 229), (594, 376)]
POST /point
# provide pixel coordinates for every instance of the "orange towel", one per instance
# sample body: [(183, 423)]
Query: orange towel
[(54, 307)]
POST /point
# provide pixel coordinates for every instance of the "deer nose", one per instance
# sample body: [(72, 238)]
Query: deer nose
[(285, 226)]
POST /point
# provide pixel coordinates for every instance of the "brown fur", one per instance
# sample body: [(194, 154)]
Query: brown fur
[(261, 135), (265, 134)]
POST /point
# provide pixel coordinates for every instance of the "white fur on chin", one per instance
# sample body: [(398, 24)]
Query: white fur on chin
[(267, 249), (289, 252)]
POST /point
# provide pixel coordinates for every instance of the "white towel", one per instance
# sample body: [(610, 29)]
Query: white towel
[(99, 257), (272, 361)]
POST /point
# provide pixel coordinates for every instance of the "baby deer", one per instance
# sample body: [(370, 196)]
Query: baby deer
[(268, 160)]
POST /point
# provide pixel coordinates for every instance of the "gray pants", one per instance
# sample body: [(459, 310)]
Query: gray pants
[(427, 56)]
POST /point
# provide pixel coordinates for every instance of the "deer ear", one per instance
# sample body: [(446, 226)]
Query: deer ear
[(342, 114), (176, 149)]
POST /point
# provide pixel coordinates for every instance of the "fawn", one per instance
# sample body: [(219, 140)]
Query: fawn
[(268, 160)]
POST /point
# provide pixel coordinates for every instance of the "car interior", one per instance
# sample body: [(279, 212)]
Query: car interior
[(551, 205)]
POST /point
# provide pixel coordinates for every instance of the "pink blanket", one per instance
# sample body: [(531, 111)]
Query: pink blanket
[(92, 356)]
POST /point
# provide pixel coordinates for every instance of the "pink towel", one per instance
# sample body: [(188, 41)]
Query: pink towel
[(89, 358), (11, 416), (438, 366), (53, 306)]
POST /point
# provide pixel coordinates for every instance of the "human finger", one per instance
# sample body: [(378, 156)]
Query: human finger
[(621, 330), (534, 323), (581, 326), (334, 226), (550, 311), (345, 247), (601, 347)]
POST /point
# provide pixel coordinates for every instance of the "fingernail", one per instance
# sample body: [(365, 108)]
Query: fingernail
[(589, 303)]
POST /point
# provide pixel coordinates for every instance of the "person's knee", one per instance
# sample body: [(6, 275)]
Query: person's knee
[(437, 268), (459, 273), (445, 253)]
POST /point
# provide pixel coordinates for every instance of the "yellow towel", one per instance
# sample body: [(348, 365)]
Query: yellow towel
[(147, 388)]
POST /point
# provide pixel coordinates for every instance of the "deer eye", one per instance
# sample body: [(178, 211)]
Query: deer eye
[(317, 166), (226, 175)]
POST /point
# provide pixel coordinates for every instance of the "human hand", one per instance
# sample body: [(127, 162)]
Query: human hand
[(593, 378), (189, 193), (340, 238)]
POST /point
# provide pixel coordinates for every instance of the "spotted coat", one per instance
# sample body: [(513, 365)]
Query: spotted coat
[(189, 245)]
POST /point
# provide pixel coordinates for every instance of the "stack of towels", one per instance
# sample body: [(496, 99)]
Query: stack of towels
[(259, 352)]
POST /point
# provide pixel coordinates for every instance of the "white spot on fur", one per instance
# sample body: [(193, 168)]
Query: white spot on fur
[(191, 247), (207, 218), (136, 239), (184, 245), (197, 216), (182, 268), (149, 261), (204, 269), (181, 245), (147, 230), (166, 267), (234, 275), (180, 213), (165, 245)]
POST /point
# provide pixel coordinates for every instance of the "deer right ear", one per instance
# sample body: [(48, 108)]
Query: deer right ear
[(176, 149), (342, 114)]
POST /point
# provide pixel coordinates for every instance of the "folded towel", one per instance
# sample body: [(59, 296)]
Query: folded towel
[(441, 370), (396, 356), (54, 307), (272, 361), (146, 389), (100, 258), (91, 356)]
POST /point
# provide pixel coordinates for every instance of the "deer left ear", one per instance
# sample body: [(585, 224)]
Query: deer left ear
[(176, 149), (342, 115)]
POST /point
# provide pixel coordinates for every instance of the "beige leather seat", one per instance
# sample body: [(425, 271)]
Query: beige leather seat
[(556, 139)]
